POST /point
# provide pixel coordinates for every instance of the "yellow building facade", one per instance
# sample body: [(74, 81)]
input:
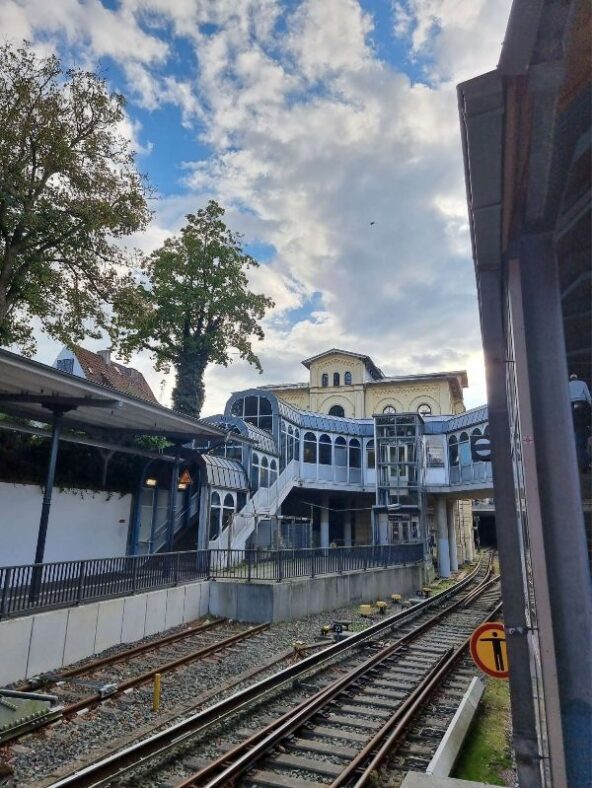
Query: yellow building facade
[(349, 384)]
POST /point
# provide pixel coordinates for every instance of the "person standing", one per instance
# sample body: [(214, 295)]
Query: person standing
[(581, 403)]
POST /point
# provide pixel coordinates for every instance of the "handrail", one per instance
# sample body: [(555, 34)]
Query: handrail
[(66, 583)]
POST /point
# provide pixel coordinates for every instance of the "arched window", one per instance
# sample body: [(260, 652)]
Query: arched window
[(325, 450), (370, 455), (255, 472), (272, 472), (254, 409), (424, 409), (486, 430), (324, 380), (464, 449), (296, 444), (476, 431), (336, 410), (347, 379), (215, 509), (355, 454), (264, 475), (336, 378), (310, 447), (227, 511), (389, 409), (452, 450), (290, 443), (340, 452)]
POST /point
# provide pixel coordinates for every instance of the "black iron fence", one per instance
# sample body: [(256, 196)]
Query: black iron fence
[(36, 587)]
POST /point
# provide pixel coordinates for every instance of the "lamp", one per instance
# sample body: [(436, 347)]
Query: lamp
[(150, 482)]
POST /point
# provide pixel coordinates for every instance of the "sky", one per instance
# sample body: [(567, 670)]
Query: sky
[(308, 120)]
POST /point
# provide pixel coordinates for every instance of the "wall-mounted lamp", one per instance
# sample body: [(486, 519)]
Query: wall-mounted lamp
[(182, 486), (150, 482)]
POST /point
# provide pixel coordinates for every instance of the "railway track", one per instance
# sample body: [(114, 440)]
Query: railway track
[(83, 687), (405, 648)]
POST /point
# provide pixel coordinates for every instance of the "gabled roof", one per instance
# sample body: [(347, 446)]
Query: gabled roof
[(374, 371), (127, 380)]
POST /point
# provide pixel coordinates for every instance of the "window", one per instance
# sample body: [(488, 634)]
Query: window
[(434, 453), (370, 455), (324, 380), (254, 409), (340, 452), (336, 410), (272, 472), (464, 449), (452, 450), (325, 450), (347, 379), (255, 472), (355, 454), (336, 378), (227, 511), (215, 510), (389, 409), (296, 444), (424, 409), (264, 475), (65, 365), (310, 447)]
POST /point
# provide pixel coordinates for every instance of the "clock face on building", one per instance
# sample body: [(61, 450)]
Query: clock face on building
[(424, 409)]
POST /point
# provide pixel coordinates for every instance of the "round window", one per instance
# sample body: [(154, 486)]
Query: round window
[(424, 409)]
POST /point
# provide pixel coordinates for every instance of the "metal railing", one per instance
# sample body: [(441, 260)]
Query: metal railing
[(35, 587)]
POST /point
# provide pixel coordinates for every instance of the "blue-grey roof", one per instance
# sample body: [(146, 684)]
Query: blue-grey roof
[(325, 423), (221, 472), (468, 419), (262, 440)]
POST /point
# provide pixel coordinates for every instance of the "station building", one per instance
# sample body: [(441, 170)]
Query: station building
[(384, 460)]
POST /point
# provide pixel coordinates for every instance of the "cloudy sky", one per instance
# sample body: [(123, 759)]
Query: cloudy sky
[(308, 120)]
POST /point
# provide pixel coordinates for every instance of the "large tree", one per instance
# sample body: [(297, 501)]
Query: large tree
[(69, 189), (194, 306)]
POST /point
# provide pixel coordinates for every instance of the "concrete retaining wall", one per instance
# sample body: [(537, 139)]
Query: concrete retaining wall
[(47, 641), (260, 602)]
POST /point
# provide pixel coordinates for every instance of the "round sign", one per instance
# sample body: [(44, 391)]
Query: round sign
[(481, 448), (488, 649)]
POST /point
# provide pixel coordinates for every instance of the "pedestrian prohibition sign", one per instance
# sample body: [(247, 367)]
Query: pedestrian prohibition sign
[(488, 649)]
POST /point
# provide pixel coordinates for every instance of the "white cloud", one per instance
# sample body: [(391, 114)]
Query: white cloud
[(313, 138)]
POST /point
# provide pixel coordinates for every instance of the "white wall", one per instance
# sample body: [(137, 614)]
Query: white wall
[(82, 524), (47, 641)]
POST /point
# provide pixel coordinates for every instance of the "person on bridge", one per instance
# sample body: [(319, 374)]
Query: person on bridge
[(581, 401)]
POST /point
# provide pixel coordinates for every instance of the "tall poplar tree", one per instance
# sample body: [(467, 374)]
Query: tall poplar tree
[(194, 305)]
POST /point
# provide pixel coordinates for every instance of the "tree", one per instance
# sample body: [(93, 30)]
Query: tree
[(68, 190), (194, 306)]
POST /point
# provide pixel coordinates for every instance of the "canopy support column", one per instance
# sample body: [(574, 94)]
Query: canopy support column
[(173, 499)]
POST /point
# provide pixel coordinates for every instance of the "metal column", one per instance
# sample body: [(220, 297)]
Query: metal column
[(561, 515), (524, 728), (452, 536), (443, 544), (173, 500)]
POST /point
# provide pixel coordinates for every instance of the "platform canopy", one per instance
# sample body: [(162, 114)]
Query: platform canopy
[(36, 391)]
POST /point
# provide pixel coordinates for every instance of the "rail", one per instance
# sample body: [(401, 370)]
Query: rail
[(36, 587)]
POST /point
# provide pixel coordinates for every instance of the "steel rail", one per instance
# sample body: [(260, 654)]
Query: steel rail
[(120, 762), (243, 756), (166, 668), (386, 738), (49, 679)]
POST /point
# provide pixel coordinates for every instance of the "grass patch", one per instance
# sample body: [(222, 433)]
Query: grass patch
[(486, 755)]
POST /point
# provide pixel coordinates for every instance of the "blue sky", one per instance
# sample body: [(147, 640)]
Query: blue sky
[(307, 120)]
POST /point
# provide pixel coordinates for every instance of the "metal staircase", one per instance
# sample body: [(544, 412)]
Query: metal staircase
[(264, 503)]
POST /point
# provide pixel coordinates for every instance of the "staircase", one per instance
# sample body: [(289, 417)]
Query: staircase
[(186, 515), (265, 503)]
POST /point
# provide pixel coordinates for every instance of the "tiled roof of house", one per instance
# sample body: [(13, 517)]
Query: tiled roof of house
[(127, 380)]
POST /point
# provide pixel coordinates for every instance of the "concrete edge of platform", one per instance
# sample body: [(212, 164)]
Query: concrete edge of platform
[(44, 642), (445, 756), (424, 780)]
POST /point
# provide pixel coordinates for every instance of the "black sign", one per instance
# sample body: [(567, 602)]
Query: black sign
[(480, 448)]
